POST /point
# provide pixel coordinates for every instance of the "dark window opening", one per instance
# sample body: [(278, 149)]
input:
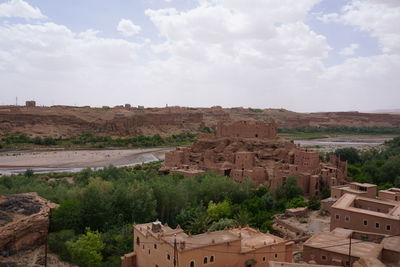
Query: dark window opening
[(205, 261), (192, 264), (212, 259), (227, 172)]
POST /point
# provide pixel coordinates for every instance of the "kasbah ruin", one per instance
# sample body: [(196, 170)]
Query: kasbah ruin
[(253, 150)]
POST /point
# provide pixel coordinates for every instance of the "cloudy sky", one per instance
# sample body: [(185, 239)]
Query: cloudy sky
[(303, 55)]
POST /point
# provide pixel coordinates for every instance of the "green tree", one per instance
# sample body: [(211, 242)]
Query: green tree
[(29, 173), (86, 251), (349, 154), (242, 218), (135, 203), (96, 204), (57, 243), (222, 224), (313, 203), (219, 210), (67, 216), (391, 169), (199, 224), (291, 188)]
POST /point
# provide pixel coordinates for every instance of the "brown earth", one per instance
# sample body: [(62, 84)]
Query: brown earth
[(65, 121)]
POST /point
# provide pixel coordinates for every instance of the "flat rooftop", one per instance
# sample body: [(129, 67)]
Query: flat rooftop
[(339, 244), (346, 202), (249, 238), (289, 264)]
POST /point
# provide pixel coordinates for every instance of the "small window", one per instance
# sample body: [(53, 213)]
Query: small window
[(377, 225), (155, 246), (212, 259), (137, 240), (323, 257), (191, 264), (142, 246), (168, 256), (276, 255), (264, 259), (205, 261), (388, 227), (365, 222), (337, 216), (156, 265), (347, 218), (149, 251)]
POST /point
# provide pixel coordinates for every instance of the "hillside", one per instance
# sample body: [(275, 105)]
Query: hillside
[(65, 121)]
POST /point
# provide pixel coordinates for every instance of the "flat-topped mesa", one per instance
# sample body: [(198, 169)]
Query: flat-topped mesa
[(253, 150)]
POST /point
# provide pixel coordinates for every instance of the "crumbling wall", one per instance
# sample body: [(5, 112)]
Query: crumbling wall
[(27, 224)]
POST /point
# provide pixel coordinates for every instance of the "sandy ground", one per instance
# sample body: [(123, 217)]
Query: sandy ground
[(332, 143), (15, 162)]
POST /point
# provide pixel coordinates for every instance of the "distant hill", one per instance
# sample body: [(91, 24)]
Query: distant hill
[(65, 121), (386, 111)]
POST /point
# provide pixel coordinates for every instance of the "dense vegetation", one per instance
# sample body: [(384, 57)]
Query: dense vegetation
[(88, 140), (377, 166), (97, 211)]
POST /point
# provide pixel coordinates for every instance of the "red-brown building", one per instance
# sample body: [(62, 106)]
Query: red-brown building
[(253, 150), (158, 245)]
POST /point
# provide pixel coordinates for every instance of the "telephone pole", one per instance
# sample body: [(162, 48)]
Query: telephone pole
[(350, 252), (175, 252)]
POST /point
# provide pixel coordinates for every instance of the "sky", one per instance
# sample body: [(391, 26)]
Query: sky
[(303, 55)]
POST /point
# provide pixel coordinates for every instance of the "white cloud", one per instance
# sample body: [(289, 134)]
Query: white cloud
[(222, 52), (379, 17), (328, 18), (350, 50), (127, 28), (20, 9)]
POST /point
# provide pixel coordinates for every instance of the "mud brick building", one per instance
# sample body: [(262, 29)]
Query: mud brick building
[(246, 149), (159, 245), (366, 214), (360, 189), (392, 194), (367, 249)]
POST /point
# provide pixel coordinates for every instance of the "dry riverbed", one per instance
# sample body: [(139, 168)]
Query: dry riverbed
[(17, 162), (330, 144)]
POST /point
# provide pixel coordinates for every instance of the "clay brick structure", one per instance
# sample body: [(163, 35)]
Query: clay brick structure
[(24, 222), (30, 103), (392, 194), (253, 150), (360, 189), (366, 214), (159, 245), (367, 249), (246, 129)]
